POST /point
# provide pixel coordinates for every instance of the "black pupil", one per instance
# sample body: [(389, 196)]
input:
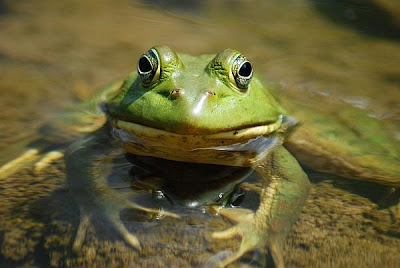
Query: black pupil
[(245, 69), (144, 65)]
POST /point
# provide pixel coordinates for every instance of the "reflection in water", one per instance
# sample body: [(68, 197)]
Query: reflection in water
[(188, 184), (365, 17)]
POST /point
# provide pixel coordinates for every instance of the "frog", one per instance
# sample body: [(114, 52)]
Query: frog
[(213, 111)]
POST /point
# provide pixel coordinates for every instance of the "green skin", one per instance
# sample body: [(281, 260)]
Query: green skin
[(191, 98)]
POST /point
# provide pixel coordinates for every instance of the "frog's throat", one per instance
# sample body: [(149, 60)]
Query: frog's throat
[(221, 138)]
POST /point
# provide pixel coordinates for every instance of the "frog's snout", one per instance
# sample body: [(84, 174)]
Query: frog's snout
[(198, 107), (179, 92)]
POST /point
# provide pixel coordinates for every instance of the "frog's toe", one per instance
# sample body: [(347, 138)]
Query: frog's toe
[(252, 236), (246, 245), (226, 234), (125, 234), (81, 233), (237, 215), (159, 213)]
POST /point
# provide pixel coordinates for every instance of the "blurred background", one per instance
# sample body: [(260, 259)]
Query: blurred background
[(56, 53)]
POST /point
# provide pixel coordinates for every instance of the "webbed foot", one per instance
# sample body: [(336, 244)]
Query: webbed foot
[(253, 235), (284, 192), (113, 216)]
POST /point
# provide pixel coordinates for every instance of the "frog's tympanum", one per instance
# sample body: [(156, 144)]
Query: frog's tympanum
[(193, 119)]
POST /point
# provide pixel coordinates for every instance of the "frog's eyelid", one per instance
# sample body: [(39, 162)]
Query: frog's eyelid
[(242, 82), (155, 53), (148, 77), (235, 57)]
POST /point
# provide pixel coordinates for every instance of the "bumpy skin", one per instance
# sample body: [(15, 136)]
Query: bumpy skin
[(191, 102)]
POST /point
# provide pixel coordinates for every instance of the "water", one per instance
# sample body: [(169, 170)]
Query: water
[(53, 54)]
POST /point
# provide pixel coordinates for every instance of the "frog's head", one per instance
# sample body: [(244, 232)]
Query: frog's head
[(202, 98)]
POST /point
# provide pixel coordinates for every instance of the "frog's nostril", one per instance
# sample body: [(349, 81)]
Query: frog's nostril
[(175, 94), (210, 93)]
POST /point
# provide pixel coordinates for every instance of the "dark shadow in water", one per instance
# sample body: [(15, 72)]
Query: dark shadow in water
[(365, 17)]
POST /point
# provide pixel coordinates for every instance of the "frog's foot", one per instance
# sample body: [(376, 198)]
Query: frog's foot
[(30, 156), (129, 238), (253, 235), (114, 218), (158, 213)]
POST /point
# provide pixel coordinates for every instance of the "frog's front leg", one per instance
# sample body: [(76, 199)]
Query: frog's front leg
[(285, 192), (89, 162)]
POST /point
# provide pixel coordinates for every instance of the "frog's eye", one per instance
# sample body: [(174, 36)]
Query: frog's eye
[(148, 67), (242, 71)]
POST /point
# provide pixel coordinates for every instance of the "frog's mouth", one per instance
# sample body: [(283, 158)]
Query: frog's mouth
[(143, 134)]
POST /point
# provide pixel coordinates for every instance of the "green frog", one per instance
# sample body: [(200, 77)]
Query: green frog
[(182, 113), (202, 110)]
